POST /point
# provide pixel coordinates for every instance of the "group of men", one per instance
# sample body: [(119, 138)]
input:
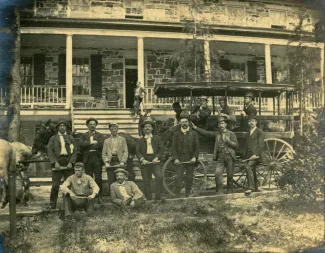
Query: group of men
[(80, 189)]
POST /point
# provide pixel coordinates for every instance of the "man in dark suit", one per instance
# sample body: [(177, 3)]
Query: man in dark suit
[(254, 150), (185, 149), (62, 153), (91, 144), (224, 152), (249, 110), (202, 112), (231, 122), (150, 148), (144, 117)]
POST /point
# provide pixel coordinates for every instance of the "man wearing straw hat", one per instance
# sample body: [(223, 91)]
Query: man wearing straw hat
[(125, 193), (224, 152), (149, 150), (62, 153), (115, 153), (186, 146), (79, 191)]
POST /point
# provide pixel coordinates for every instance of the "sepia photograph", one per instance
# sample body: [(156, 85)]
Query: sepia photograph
[(162, 126)]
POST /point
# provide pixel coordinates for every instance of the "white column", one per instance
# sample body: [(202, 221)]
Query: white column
[(268, 66), (140, 61), (322, 76), (207, 63), (68, 73)]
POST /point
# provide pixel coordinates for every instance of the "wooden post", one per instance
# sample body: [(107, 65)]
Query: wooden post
[(214, 106), (273, 105), (279, 104), (260, 102)]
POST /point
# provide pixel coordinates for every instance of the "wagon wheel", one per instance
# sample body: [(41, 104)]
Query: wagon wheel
[(277, 154), (169, 177)]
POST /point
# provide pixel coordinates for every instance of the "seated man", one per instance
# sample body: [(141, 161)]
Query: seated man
[(79, 191), (202, 112), (125, 193)]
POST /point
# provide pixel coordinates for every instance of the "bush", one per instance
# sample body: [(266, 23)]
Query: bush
[(304, 175)]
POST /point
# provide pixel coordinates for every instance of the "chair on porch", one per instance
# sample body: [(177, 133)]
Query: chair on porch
[(112, 97)]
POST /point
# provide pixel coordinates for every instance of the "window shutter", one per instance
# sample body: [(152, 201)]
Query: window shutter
[(252, 71), (225, 64), (39, 69), (96, 75), (62, 69)]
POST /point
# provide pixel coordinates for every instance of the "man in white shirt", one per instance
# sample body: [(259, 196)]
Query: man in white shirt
[(149, 150)]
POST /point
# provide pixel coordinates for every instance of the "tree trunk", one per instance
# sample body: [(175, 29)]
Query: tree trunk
[(14, 87)]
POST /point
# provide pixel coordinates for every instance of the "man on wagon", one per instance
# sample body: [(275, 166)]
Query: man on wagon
[(62, 153), (91, 144), (79, 191), (115, 152), (149, 149), (202, 112), (231, 122), (249, 108), (224, 152), (185, 146), (253, 152)]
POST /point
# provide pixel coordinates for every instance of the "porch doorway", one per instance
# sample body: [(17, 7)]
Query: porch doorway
[(131, 77)]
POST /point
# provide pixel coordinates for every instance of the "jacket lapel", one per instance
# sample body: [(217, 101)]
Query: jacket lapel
[(58, 139)]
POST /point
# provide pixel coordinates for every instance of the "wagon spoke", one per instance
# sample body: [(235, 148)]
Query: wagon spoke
[(268, 148), (280, 151), (274, 149)]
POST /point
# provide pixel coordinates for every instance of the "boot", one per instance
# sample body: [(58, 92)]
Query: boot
[(219, 187), (230, 186)]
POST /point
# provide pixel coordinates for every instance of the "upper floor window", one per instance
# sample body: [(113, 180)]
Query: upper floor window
[(81, 76), (237, 71), (26, 70)]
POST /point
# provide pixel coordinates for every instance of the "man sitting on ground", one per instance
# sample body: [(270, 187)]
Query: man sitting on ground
[(79, 191), (125, 193)]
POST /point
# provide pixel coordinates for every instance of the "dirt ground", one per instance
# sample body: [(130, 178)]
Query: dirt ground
[(259, 224)]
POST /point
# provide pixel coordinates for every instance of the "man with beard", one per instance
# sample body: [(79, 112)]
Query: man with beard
[(224, 152), (115, 152), (91, 144), (231, 122), (62, 153), (253, 152), (125, 193), (150, 148), (185, 146)]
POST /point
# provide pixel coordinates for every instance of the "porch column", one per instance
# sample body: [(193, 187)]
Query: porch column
[(207, 64), (68, 71), (140, 61), (268, 65), (322, 98)]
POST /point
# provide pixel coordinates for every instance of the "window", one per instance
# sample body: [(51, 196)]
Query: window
[(81, 76), (26, 71), (237, 71), (134, 9)]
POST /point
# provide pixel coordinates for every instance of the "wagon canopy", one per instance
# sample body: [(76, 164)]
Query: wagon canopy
[(220, 88)]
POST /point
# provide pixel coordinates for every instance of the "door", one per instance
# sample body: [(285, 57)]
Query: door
[(131, 77)]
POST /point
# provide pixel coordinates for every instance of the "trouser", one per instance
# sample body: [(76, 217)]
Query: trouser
[(146, 173), (180, 169), (70, 205), (224, 161), (129, 168), (56, 179), (93, 167), (111, 177), (251, 175)]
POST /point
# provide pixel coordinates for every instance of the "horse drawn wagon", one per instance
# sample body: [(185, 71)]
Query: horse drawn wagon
[(276, 124)]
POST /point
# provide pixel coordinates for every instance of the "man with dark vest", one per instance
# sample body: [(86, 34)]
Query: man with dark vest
[(62, 153), (185, 146), (150, 148), (144, 117), (224, 152), (231, 122), (91, 144), (249, 108), (254, 150)]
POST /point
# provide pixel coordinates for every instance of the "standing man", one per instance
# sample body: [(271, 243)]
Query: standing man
[(150, 148), (91, 144), (202, 112), (224, 152), (115, 152), (185, 146), (177, 109), (79, 191), (144, 117), (62, 153), (231, 122), (253, 152)]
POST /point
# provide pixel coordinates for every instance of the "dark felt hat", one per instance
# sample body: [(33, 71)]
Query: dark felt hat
[(62, 121), (148, 121), (222, 117), (184, 115), (249, 94), (252, 116), (91, 119)]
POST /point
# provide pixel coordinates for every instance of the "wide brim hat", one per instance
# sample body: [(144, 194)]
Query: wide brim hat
[(61, 121), (222, 117), (112, 124), (122, 170), (91, 119), (148, 121), (184, 115), (252, 116), (249, 94)]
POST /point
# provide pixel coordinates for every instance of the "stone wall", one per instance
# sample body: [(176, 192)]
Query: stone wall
[(107, 9), (161, 10), (53, 8), (158, 68)]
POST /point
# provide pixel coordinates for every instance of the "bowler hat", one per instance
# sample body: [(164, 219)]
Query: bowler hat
[(252, 116), (112, 124), (122, 170), (184, 115), (79, 165), (62, 121), (249, 94), (222, 117), (91, 119)]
